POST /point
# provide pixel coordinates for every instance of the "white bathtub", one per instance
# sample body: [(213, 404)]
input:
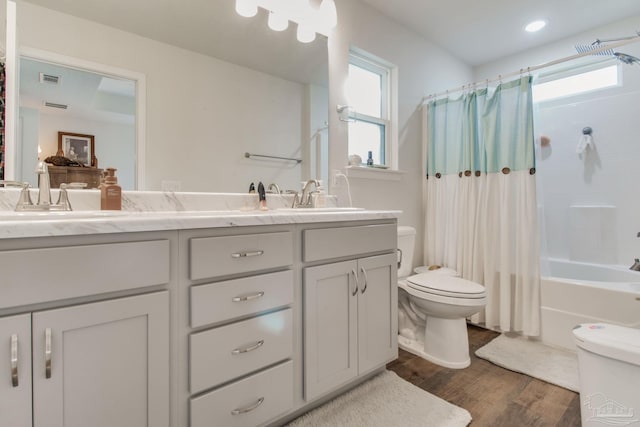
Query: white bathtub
[(577, 292)]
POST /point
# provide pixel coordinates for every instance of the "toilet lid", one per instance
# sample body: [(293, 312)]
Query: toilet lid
[(446, 285), (442, 270)]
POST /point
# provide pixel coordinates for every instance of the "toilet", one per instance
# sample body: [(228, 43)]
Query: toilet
[(433, 307), (609, 367)]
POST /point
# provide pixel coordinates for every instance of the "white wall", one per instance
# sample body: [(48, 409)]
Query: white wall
[(203, 114), (184, 114), (589, 203), (423, 68)]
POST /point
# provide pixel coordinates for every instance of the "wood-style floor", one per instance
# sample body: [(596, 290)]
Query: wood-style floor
[(494, 396)]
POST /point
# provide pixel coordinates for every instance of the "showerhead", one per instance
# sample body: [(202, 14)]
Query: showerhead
[(627, 59)]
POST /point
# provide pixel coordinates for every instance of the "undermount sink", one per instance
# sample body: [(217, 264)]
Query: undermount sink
[(315, 210), (57, 215)]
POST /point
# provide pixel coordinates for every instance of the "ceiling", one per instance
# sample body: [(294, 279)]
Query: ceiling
[(478, 32), (210, 27)]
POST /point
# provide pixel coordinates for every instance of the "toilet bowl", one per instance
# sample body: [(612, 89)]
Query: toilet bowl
[(444, 303), (609, 367), (433, 306)]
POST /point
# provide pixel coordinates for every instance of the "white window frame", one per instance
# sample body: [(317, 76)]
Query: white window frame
[(584, 68), (388, 119)]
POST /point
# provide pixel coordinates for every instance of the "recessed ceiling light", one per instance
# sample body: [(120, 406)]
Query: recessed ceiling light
[(534, 26)]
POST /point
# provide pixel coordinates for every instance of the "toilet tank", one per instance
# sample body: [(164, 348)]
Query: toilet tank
[(406, 244)]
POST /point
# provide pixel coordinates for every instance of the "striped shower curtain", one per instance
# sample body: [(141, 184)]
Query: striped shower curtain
[(481, 199)]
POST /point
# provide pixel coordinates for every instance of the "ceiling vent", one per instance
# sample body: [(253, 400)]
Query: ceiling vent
[(54, 105), (49, 78)]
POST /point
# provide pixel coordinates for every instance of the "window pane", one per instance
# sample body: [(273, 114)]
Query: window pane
[(365, 137), (365, 91), (576, 84)]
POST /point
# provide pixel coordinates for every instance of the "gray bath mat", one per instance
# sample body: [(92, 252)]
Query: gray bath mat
[(533, 358)]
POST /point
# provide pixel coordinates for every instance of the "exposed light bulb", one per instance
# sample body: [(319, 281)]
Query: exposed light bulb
[(277, 21), (329, 13), (305, 34), (247, 8)]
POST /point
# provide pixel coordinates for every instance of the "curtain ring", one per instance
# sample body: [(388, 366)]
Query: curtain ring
[(532, 171), (467, 173), (459, 174), (478, 173), (506, 170), (438, 175)]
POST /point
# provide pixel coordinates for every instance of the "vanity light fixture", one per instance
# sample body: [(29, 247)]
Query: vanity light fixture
[(534, 26), (305, 34), (312, 16), (329, 13), (247, 8), (277, 21)]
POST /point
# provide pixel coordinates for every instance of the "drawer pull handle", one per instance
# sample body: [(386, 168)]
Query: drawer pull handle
[(366, 279), (47, 353), (246, 254), (246, 409), (14, 360), (244, 298), (355, 279), (249, 348)]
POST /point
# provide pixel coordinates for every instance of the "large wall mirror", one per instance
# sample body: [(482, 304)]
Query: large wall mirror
[(216, 86)]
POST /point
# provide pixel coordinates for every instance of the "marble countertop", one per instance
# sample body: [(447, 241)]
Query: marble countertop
[(13, 225), (162, 211)]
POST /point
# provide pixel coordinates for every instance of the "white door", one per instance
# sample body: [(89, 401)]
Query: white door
[(377, 312), (330, 322), (15, 371), (103, 364)]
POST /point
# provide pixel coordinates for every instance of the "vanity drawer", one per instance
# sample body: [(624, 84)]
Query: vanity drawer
[(220, 301), (222, 354), (31, 276), (326, 243), (219, 256), (249, 402)]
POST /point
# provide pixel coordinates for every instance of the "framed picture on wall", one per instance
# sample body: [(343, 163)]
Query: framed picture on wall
[(78, 147)]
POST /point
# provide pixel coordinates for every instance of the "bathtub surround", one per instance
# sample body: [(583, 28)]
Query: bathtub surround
[(533, 358), (480, 193), (575, 292), (386, 400)]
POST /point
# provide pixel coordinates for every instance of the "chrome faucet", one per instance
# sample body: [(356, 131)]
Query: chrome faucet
[(272, 187), (44, 185), (636, 262), (44, 193), (305, 201)]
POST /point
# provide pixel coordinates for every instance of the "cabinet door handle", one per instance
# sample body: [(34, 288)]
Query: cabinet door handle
[(246, 409), (249, 297), (14, 360), (355, 279), (246, 254), (366, 279), (47, 353), (248, 348)]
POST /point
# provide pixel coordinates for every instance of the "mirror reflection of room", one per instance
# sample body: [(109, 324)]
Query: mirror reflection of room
[(70, 118)]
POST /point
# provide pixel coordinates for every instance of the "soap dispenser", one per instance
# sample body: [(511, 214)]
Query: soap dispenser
[(111, 192)]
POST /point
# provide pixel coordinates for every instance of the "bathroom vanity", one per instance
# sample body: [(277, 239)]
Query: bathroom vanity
[(191, 318)]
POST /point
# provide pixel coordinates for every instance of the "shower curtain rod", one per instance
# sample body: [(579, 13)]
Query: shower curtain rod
[(528, 70)]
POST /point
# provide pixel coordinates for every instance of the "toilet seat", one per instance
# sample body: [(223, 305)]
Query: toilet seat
[(446, 286)]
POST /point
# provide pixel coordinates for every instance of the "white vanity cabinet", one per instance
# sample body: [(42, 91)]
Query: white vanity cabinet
[(100, 359), (241, 324), (350, 307)]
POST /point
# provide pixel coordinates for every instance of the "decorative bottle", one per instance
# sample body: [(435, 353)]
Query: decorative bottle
[(111, 192)]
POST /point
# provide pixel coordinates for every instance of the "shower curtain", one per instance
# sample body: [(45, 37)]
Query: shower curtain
[(481, 199)]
